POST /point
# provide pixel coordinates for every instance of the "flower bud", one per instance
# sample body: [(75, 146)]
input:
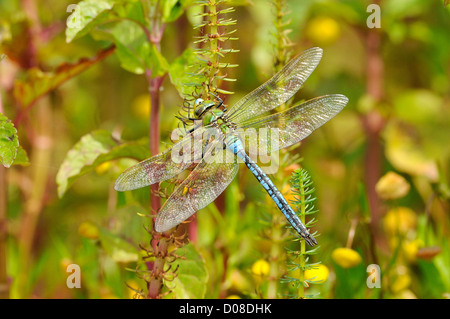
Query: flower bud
[(346, 257), (392, 186)]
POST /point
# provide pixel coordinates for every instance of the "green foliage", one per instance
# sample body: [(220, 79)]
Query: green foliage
[(38, 83), (117, 248), (9, 142), (191, 277), (299, 258), (92, 150), (213, 46), (60, 81)]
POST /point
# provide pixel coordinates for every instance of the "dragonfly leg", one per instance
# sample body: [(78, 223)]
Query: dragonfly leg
[(220, 101)]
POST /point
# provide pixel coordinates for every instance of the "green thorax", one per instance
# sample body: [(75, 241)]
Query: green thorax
[(208, 112)]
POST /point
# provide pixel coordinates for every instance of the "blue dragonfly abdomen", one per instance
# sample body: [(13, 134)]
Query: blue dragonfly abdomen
[(234, 144)]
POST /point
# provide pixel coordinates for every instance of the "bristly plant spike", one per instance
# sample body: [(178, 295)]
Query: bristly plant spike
[(282, 43), (213, 46), (298, 259)]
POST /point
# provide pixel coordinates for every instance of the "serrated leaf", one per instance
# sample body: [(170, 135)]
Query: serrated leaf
[(135, 52), (117, 248), (129, 60), (21, 157), (88, 14), (38, 83), (192, 276), (85, 16), (92, 150), (9, 142)]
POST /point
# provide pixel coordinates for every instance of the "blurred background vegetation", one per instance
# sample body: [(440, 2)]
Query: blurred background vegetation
[(79, 97)]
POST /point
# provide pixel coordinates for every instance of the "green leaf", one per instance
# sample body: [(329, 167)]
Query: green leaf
[(135, 52), (173, 9), (129, 60), (38, 83), (133, 47), (192, 276), (88, 14), (85, 16), (92, 150), (419, 106), (9, 142), (117, 248), (21, 157), (156, 62)]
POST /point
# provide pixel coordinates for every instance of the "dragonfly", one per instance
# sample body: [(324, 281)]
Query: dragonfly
[(224, 146)]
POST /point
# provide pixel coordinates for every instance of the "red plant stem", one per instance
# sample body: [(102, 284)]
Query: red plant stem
[(373, 123), (154, 89), (159, 243)]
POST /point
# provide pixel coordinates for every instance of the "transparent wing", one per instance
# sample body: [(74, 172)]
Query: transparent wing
[(280, 88), (163, 166), (274, 132), (205, 183)]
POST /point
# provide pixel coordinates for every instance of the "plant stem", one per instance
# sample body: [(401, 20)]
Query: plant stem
[(373, 123), (275, 255), (41, 156), (154, 90), (159, 242), (213, 45), (301, 257)]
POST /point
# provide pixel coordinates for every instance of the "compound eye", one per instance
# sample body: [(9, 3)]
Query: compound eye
[(198, 101)]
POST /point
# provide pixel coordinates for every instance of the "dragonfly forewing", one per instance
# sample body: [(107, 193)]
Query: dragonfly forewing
[(280, 88), (165, 165)]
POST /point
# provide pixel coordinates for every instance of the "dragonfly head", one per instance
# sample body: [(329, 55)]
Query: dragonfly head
[(201, 106)]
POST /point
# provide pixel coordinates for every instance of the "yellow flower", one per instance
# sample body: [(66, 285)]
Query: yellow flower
[(88, 230), (402, 279), (405, 294), (392, 186), (410, 249), (323, 30), (102, 168), (399, 221), (346, 257), (261, 268), (288, 194), (318, 274), (141, 106), (233, 297)]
